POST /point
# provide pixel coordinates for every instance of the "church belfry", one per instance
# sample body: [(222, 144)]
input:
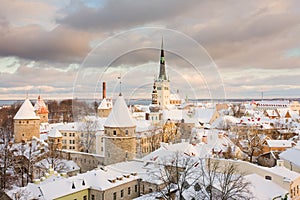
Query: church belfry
[(162, 83)]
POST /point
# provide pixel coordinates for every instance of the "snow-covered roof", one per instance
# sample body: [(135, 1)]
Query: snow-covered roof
[(279, 143), (168, 151), (26, 111), (272, 113), (291, 155), (264, 189), (272, 103), (204, 115), (55, 133), (120, 115), (56, 187), (172, 115), (174, 97), (40, 106), (105, 104), (62, 165)]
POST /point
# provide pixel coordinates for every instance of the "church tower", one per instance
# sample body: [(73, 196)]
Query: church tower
[(162, 83), (155, 115), (119, 134), (26, 123), (41, 110)]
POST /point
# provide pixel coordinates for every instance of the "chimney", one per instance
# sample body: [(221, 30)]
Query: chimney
[(103, 90)]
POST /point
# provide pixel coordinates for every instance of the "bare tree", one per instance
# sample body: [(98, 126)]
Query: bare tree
[(188, 177), (88, 130), (178, 174), (253, 143), (222, 181), (6, 160)]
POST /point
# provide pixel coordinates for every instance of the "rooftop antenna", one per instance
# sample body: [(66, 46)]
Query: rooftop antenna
[(119, 77)]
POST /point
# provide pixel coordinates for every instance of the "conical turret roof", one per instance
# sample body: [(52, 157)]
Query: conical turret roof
[(26, 111), (120, 115)]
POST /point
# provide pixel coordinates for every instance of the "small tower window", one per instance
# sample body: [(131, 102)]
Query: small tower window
[(115, 132), (126, 132)]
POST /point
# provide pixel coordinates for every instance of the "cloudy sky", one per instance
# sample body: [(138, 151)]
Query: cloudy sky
[(230, 48)]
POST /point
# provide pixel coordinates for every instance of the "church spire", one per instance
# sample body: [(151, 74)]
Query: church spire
[(162, 69)]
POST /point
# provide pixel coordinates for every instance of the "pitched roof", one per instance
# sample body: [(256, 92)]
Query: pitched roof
[(291, 155), (40, 106), (279, 143), (105, 104), (26, 111), (120, 115), (54, 133)]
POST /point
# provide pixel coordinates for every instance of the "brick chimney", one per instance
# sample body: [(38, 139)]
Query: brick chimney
[(103, 90)]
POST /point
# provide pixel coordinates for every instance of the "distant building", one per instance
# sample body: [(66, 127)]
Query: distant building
[(41, 110)]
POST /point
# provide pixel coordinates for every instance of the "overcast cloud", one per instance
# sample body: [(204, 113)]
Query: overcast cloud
[(255, 45)]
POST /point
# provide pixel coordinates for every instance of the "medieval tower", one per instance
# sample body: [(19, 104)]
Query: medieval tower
[(26, 123), (120, 137)]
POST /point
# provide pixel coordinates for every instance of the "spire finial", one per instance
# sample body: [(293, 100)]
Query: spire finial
[(119, 77), (162, 42)]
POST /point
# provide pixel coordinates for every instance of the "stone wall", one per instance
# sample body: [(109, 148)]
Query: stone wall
[(119, 149), (85, 161), (26, 129)]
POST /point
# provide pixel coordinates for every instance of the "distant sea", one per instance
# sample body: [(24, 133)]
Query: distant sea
[(148, 101)]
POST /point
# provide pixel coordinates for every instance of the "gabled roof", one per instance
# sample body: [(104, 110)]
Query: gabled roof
[(54, 133), (291, 155), (26, 111), (105, 104), (279, 143), (120, 115)]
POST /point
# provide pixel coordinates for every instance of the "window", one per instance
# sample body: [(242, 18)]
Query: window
[(70, 134), (143, 189), (115, 196), (126, 132), (93, 197), (268, 177), (135, 188), (122, 193), (115, 132), (84, 197), (129, 190)]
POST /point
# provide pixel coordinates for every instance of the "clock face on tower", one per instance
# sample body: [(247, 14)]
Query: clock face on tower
[(162, 59)]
